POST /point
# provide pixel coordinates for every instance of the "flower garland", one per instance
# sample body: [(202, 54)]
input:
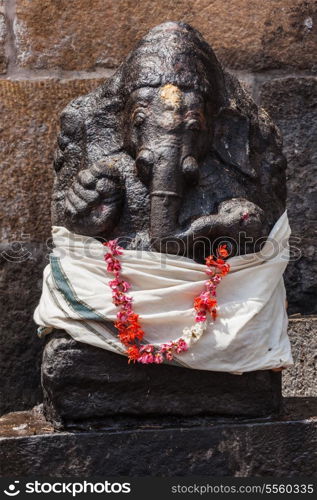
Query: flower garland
[(128, 325)]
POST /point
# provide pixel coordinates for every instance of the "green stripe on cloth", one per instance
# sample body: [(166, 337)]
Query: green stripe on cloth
[(116, 344), (63, 284)]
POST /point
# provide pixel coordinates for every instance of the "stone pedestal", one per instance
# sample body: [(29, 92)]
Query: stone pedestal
[(165, 446), (83, 385)]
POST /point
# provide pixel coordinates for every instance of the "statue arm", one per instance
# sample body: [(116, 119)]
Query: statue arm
[(87, 194), (234, 216)]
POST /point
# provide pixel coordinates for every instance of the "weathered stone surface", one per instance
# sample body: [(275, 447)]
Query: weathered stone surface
[(245, 35), (20, 348), (3, 34), (201, 447), (82, 383), (68, 385), (292, 103), (301, 379), (29, 113)]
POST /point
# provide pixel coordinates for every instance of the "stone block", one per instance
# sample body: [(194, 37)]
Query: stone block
[(245, 35), (163, 448), (83, 384), (76, 374), (300, 380), (29, 112), (292, 104)]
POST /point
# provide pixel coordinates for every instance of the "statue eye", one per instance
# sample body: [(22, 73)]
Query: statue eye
[(138, 118)]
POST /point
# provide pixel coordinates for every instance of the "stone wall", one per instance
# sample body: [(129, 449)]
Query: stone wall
[(54, 50)]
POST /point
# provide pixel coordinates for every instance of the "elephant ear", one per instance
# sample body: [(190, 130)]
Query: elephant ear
[(231, 140)]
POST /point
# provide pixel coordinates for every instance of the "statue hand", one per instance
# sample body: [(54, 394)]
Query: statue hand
[(94, 199), (234, 216)]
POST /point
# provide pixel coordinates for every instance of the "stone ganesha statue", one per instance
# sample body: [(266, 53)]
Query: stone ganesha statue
[(168, 151), (170, 155)]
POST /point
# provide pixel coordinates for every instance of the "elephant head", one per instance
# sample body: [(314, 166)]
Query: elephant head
[(168, 119), (173, 87)]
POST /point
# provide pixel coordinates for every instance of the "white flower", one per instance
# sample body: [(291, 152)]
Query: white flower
[(193, 334), (187, 337)]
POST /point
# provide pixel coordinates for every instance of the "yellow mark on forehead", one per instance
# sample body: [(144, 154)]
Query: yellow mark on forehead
[(172, 95)]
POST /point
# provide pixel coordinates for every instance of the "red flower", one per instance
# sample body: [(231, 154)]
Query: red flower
[(200, 316), (119, 285), (158, 358), (147, 354), (113, 265), (167, 351), (113, 246), (181, 345), (117, 298)]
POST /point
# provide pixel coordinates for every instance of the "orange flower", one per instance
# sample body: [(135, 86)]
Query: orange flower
[(210, 261), (133, 318), (124, 337), (130, 334), (198, 304), (135, 332), (222, 251), (211, 303), (224, 269), (204, 302), (133, 353)]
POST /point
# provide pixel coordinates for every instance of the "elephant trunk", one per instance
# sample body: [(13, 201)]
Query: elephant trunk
[(166, 196)]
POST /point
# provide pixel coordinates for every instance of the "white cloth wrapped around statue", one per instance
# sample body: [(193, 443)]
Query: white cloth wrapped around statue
[(250, 332)]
